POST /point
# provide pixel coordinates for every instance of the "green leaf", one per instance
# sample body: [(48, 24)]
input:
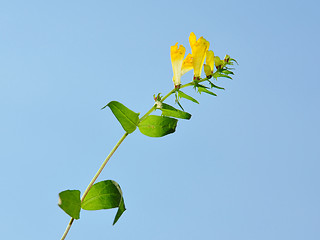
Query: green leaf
[(157, 126), (231, 59), (183, 95), (121, 209), (177, 100), (127, 118), (218, 74), (102, 195), (201, 89), (227, 72), (214, 86), (170, 111), (200, 85), (105, 195), (69, 201)]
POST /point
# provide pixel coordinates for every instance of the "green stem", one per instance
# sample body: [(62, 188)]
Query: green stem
[(103, 165), (182, 86), (166, 96), (115, 148), (148, 113), (67, 229), (94, 179)]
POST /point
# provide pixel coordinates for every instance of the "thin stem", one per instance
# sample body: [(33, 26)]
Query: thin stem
[(166, 96), (94, 179), (67, 229), (103, 165), (148, 113), (115, 148)]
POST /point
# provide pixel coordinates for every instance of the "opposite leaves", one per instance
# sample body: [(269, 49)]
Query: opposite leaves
[(102, 195)]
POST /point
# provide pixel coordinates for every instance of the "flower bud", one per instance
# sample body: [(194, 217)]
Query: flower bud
[(227, 58), (207, 70), (218, 62)]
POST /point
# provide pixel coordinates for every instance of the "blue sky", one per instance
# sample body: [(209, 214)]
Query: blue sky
[(246, 166)]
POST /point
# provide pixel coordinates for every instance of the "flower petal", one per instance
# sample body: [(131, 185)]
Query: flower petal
[(177, 55), (187, 64), (210, 59), (199, 49)]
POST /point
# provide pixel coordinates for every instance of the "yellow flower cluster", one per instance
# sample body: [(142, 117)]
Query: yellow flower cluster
[(199, 52)]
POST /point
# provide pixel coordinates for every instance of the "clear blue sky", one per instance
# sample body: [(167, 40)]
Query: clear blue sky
[(245, 167)]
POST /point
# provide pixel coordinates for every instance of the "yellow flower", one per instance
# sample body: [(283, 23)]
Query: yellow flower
[(179, 65), (177, 55), (198, 48), (208, 67)]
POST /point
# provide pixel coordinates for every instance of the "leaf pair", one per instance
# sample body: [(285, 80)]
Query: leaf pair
[(201, 88), (102, 195), (152, 125)]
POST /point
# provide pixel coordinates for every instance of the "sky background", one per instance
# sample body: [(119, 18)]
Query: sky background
[(246, 166)]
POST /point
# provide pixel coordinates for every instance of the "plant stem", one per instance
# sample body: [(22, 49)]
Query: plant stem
[(182, 86), (103, 165), (94, 179), (67, 229), (168, 95), (115, 148), (148, 113)]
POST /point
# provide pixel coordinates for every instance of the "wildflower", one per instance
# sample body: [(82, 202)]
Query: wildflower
[(208, 67), (199, 49), (177, 55)]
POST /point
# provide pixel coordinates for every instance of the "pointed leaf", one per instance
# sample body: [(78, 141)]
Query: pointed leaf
[(227, 72), (215, 86), (218, 74), (121, 209), (105, 195), (183, 95), (104, 107), (69, 201), (201, 89), (200, 85), (157, 126), (234, 61), (179, 104), (225, 76), (177, 100), (127, 118), (170, 111)]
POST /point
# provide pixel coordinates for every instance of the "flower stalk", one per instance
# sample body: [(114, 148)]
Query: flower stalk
[(130, 120)]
